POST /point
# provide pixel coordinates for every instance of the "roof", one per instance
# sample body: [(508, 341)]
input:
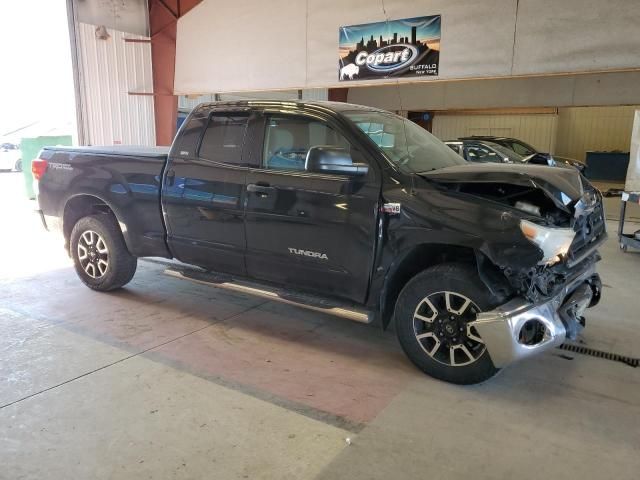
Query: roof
[(463, 140), (486, 137), (323, 105)]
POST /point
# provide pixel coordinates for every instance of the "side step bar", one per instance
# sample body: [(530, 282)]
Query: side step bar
[(278, 295)]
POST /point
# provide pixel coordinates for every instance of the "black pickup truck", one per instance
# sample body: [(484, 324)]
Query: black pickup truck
[(348, 210)]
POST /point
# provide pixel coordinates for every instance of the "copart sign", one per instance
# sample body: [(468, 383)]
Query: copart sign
[(394, 48)]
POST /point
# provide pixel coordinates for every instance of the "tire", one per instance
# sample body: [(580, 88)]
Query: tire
[(446, 330), (97, 240), (18, 166)]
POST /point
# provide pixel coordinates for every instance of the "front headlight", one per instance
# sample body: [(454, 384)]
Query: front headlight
[(554, 242)]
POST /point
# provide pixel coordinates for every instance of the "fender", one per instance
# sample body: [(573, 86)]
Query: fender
[(133, 198), (415, 258), (413, 249), (140, 243)]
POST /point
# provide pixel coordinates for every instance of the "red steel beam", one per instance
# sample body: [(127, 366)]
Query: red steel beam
[(163, 21)]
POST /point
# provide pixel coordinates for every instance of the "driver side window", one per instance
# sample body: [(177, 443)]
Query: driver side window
[(287, 140)]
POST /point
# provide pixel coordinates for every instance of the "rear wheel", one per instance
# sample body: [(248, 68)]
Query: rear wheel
[(18, 166), (100, 254), (433, 316)]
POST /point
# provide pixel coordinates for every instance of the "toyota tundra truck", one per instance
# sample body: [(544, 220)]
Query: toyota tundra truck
[(347, 210)]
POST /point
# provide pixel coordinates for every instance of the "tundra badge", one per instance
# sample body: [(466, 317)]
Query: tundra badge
[(307, 253)]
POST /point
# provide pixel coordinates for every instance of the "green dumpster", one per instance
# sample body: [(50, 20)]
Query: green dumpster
[(30, 147)]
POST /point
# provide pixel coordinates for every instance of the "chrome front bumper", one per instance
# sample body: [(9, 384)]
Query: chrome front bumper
[(500, 328)]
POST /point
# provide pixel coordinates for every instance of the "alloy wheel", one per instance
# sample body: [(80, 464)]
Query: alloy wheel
[(93, 254), (441, 324)]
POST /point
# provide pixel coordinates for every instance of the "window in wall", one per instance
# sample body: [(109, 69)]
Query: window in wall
[(223, 138), (288, 139)]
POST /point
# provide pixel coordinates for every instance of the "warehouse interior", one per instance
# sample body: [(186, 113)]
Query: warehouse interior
[(171, 378), (569, 106)]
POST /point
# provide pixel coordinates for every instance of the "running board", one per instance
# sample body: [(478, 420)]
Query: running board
[(278, 295)]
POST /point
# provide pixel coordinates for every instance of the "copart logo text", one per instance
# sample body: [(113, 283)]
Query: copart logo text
[(388, 59)]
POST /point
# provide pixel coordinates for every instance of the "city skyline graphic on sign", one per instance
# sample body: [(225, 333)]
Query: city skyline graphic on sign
[(421, 34)]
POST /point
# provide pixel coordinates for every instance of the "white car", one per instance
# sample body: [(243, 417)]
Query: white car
[(10, 157)]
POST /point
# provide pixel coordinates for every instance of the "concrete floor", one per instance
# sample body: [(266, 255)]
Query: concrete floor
[(168, 379)]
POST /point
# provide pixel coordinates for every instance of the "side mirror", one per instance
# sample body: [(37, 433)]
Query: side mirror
[(333, 160)]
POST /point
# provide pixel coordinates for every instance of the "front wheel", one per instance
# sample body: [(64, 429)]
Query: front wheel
[(18, 166), (99, 253), (433, 315)]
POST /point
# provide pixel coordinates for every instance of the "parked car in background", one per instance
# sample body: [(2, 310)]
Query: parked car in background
[(484, 151), (511, 150), (518, 146), (10, 157)]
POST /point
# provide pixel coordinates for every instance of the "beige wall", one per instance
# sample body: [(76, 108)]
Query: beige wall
[(587, 116), (536, 129), (561, 91), (594, 128), (279, 44), (569, 133)]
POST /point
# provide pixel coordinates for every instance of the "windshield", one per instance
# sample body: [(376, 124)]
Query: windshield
[(405, 144), (519, 147), (510, 154)]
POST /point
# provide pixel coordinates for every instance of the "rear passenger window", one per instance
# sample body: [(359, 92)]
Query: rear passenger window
[(223, 138), (288, 139)]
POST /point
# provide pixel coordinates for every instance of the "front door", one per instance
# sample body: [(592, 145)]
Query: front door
[(204, 193), (305, 230)]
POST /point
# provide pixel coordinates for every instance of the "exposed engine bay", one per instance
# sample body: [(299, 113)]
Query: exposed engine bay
[(559, 204)]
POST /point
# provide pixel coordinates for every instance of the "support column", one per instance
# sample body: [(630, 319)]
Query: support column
[(163, 23)]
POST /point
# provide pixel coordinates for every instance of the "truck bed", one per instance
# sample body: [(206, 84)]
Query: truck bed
[(117, 150), (125, 177)]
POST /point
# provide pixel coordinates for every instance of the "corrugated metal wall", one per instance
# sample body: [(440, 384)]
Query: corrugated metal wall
[(536, 129), (581, 129), (110, 69)]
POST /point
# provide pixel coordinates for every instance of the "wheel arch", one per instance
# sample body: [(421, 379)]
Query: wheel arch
[(82, 205), (425, 255)]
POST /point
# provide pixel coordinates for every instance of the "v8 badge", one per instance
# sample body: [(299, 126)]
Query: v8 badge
[(391, 208)]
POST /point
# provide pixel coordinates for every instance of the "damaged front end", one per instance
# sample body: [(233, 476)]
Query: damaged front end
[(544, 294), (522, 326)]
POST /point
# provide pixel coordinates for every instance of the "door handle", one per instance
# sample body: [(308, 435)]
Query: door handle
[(260, 190)]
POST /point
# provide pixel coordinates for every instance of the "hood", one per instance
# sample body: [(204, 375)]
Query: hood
[(562, 185)]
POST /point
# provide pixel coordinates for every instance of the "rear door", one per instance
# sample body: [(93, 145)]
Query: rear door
[(204, 192), (306, 230)]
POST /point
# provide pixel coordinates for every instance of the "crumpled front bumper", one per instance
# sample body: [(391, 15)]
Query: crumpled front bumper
[(501, 328)]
